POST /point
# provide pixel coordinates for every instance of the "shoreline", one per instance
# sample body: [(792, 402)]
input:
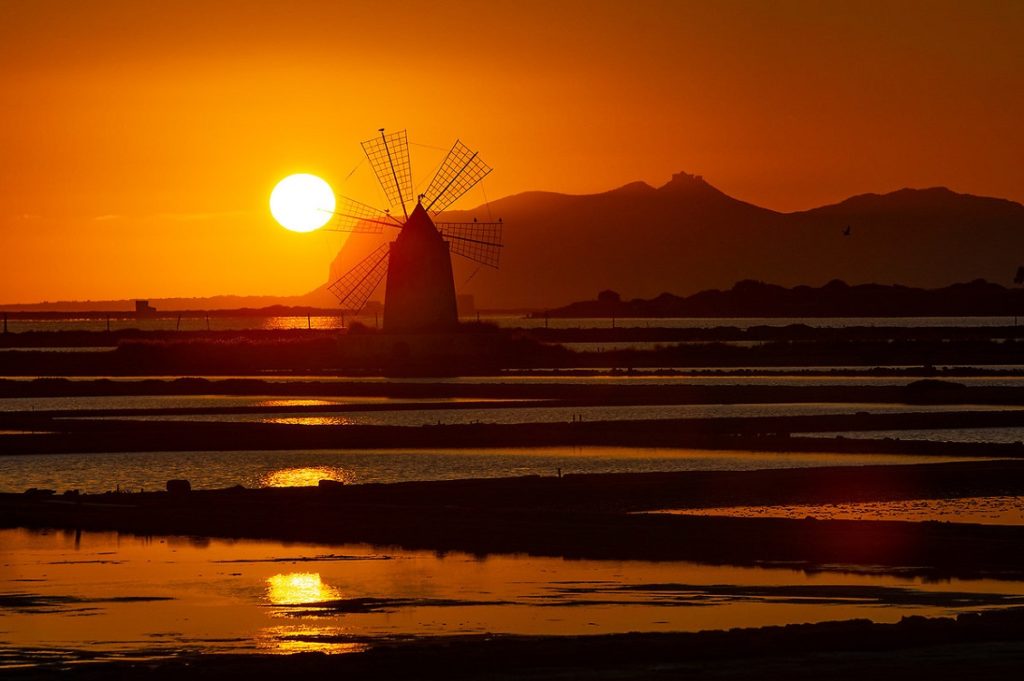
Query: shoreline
[(978, 645), (28, 435), (589, 516)]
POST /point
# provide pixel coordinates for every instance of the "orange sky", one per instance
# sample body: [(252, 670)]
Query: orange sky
[(138, 146)]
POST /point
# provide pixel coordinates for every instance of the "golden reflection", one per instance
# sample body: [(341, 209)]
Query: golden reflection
[(303, 322), (292, 403), (305, 477), (299, 588), (310, 420), (305, 639), (984, 510)]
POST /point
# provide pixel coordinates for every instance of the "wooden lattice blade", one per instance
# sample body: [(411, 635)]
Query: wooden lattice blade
[(356, 286)]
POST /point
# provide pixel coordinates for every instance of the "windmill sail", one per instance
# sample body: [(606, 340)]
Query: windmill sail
[(389, 158), (459, 172), (356, 286), (353, 216), (478, 241)]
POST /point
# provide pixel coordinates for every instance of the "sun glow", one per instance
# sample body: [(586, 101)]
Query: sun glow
[(304, 477), (302, 202), (299, 588)]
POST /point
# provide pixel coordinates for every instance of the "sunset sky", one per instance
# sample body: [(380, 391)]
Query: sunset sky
[(139, 141)]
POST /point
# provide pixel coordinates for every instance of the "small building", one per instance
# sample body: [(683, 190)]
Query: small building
[(142, 307)]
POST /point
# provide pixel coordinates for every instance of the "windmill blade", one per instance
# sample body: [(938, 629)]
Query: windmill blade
[(353, 216), (356, 286), (389, 158), (478, 241), (461, 170)]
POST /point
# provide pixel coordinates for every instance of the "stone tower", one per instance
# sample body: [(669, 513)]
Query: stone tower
[(420, 293)]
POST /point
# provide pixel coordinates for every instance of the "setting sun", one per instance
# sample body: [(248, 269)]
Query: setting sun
[(528, 339), (302, 203)]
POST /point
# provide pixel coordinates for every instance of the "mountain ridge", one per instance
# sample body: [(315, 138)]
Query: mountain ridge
[(687, 236)]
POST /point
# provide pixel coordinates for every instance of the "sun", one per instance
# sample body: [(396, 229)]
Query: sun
[(302, 202)]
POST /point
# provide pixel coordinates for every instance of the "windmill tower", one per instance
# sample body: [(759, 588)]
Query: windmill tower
[(420, 293)]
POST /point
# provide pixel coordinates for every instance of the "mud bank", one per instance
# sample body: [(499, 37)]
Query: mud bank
[(585, 517)]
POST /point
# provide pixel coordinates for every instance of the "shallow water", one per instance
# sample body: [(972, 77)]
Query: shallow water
[(69, 596), (998, 435), (544, 414), (769, 376), (151, 470), (82, 403), (985, 510)]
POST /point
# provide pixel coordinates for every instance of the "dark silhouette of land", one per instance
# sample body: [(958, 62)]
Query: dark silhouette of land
[(985, 645), (835, 299), (688, 236), (54, 431), (572, 516), (481, 349), (588, 516)]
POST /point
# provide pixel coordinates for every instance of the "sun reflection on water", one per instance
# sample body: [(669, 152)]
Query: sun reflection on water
[(299, 588), (293, 403), (310, 420), (306, 639), (303, 322), (305, 477)]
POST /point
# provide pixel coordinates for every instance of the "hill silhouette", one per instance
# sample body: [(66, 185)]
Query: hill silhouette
[(688, 236), (834, 299)]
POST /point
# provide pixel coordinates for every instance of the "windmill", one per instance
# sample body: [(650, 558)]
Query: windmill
[(420, 293)]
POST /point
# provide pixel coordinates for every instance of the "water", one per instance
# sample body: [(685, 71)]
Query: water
[(94, 402), (770, 376), (533, 414), (748, 322), (998, 435), (151, 470), (1008, 510), (85, 596)]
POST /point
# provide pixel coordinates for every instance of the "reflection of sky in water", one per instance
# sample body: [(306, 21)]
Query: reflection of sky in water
[(205, 470), (545, 414), (86, 402), (702, 376), (223, 595), (1003, 435), (984, 510)]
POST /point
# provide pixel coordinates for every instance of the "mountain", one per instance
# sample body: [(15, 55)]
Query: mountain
[(688, 236), (835, 299)]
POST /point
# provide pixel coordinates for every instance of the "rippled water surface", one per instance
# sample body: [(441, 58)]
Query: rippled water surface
[(71, 596), (87, 402), (985, 510), (998, 435), (151, 470), (545, 414), (771, 376)]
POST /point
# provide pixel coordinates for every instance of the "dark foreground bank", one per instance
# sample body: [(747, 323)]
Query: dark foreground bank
[(587, 516), (987, 645)]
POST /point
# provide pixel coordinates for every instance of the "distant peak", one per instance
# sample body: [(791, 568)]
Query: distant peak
[(633, 187)]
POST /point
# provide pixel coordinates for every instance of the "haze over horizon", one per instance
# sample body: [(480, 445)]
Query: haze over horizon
[(141, 143)]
